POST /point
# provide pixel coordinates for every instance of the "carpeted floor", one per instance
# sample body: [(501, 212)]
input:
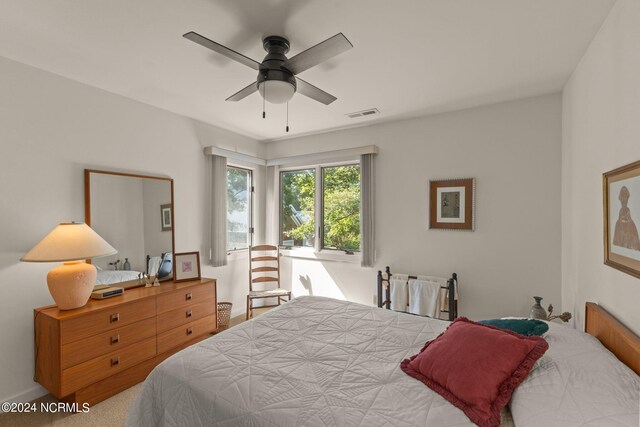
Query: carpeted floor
[(109, 413)]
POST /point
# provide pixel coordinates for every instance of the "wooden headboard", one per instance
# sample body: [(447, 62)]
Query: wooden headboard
[(616, 337)]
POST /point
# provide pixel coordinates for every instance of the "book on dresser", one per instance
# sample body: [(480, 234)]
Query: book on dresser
[(90, 353)]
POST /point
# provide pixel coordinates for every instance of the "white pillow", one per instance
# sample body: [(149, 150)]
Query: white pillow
[(577, 382)]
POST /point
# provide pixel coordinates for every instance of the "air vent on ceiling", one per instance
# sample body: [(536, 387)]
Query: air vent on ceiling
[(363, 113)]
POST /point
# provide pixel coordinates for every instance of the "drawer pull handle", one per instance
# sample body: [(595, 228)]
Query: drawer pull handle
[(189, 331), (188, 296), (115, 339), (188, 313), (115, 361), (115, 317)]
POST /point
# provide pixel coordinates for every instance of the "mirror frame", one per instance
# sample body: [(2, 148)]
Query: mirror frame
[(87, 207)]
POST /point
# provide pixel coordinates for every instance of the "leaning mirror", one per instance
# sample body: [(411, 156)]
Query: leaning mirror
[(134, 213)]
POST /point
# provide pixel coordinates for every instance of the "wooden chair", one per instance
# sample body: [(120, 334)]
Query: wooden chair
[(267, 261)]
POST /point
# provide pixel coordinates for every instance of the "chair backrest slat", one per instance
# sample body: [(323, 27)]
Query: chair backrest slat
[(263, 259)]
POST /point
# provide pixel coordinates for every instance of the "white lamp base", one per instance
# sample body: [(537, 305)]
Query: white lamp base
[(71, 284)]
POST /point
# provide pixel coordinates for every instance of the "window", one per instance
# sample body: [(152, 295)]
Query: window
[(239, 224), (341, 207), (297, 211), (330, 221)]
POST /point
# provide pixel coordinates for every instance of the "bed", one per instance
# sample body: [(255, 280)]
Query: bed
[(321, 362)]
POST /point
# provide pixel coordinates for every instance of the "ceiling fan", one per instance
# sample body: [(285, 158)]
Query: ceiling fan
[(277, 81)]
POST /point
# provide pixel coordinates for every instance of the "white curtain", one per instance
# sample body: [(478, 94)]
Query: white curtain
[(218, 211), (367, 225), (273, 206)]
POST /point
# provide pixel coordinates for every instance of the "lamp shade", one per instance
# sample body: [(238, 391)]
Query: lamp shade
[(69, 242)]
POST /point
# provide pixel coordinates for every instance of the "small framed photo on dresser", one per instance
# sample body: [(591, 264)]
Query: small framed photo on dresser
[(187, 266)]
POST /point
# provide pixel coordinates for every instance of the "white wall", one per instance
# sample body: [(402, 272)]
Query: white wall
[(601, 131), (51, 129), (513, 151)]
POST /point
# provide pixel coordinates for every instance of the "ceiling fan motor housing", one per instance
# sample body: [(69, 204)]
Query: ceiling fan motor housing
[(271, 68)]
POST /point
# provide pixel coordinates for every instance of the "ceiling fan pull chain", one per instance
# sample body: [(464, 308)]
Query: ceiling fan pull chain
[(264, 115), (287, 116)]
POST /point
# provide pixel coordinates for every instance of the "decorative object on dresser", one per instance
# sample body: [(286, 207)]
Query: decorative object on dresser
[(621, 191), (70, 284), (187, 266), (92, 353), (452, 204)]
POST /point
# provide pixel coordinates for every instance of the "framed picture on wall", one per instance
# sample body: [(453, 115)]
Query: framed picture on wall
[(452, 204), (621, 195), (166, 217), (187, 266)]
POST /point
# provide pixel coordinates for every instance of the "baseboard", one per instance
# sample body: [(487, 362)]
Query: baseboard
[(26, 396)]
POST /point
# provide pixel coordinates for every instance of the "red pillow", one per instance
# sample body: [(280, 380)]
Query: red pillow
[(476, 367)]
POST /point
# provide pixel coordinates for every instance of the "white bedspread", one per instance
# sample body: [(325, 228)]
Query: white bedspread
[(312, 362)]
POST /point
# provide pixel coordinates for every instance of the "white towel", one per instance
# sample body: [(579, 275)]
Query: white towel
[(444, 292), (424, 298), (398, 294), (154, 265)]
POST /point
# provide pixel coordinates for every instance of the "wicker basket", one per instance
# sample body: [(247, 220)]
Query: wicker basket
[(224, 315)]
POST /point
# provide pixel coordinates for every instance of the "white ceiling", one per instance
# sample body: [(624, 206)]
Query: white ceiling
[(410, 57)]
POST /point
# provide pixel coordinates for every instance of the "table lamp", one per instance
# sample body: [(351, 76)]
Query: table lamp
[(70, 284)]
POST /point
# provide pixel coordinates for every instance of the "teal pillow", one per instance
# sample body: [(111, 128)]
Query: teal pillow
[(525, 327)]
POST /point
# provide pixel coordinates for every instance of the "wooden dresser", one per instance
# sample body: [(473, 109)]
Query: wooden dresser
[(93, 352)]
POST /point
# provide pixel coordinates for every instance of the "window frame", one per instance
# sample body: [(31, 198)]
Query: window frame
[(250, 213), (318, 250)]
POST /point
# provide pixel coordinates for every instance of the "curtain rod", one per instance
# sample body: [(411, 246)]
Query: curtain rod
[(211, 150), (302, 158), (324, 155)]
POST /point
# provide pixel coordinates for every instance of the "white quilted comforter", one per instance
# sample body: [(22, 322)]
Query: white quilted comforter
[(311, 362), (321, 362)]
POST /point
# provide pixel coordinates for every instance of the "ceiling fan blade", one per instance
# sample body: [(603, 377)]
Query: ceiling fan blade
[(244, 92), (319, 53), (307, 89), (223, 50)]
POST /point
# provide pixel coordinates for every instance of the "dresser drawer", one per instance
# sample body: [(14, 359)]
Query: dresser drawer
[(94, 370), (174, 337), (181, 316), (186, 296), (77, 328), (107, 342)]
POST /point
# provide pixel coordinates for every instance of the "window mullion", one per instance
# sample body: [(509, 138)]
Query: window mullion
[(318, 210)]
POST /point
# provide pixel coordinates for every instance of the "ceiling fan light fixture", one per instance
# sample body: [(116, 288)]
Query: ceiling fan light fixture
[(276, 91)]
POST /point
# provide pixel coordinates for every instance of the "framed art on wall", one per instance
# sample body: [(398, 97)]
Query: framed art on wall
[(187, 266), (621, 194), (452, 204)]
